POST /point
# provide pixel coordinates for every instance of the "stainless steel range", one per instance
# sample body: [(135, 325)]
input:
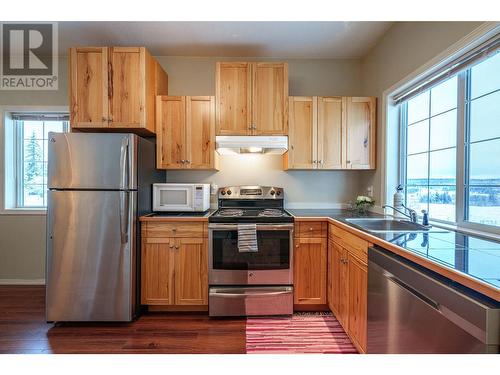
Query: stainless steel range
[(257, 282)]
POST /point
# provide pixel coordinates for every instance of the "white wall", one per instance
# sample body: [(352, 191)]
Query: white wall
[(404, 48)]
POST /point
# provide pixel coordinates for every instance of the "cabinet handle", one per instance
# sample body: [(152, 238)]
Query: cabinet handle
[(171, 246), (348, 162), (183, 161), (188, 161), (311, 228), (104, 119), (297, 245), (174, 229), (177, 246)]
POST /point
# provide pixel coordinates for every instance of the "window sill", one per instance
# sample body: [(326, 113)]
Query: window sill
[(24, 211)]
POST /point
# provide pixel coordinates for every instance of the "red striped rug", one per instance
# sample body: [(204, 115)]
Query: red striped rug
[(297, 334)]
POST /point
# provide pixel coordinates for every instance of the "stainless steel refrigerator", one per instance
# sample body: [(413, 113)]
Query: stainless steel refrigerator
[(99, 184)]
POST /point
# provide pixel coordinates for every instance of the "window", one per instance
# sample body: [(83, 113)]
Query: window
[(29, 135), (450, 132)]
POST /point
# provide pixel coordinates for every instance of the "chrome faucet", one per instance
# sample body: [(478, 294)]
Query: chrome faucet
[(412, 214)]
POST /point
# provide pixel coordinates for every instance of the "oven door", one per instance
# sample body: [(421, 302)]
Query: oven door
[(272, 264)]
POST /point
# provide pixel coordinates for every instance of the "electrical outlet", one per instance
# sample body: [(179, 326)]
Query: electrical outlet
[(369, 190)]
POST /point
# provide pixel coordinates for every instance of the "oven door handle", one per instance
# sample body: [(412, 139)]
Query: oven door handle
[(250, 293), (215, 226)]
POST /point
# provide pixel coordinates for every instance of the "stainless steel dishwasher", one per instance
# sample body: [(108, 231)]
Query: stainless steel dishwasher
[(414, 310)]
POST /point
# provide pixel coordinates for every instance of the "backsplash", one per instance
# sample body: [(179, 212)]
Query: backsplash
[(303, 189)]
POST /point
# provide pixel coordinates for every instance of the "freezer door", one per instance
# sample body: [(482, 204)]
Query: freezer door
[(91, 252), (92, 161)]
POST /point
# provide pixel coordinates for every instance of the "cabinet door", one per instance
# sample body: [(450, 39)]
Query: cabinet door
[(171, 132), (233, 98), (88, 68), (360, 133), (191, 271), (127, 93), (157, 271), (339, 286), (343, 291), (270, 99), (302, 133), (309, 266), (200, 119), (330, 132), (358, 295)]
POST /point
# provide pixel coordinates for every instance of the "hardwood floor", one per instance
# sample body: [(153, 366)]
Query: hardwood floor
[(23, 330)]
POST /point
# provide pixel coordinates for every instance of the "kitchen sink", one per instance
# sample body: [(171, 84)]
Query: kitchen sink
[(387, 225)]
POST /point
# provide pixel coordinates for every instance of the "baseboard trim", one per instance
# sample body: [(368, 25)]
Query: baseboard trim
[(22, 281)]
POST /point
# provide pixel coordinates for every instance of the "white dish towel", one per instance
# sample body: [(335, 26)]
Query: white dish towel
[(247, 238)]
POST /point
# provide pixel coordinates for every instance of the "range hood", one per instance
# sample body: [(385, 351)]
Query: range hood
[(252, 144)]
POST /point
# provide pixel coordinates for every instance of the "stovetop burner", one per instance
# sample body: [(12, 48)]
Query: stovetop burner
[(271, 212), (230, 212), (251, 204)]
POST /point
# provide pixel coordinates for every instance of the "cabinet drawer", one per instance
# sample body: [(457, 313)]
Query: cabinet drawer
[(175, 229), (355, 245), (311, 229)]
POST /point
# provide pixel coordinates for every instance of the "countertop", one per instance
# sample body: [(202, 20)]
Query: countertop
[(469, 258), (177, 216)]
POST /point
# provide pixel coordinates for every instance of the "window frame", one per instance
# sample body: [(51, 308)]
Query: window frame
[(462, 156), (8, 150)]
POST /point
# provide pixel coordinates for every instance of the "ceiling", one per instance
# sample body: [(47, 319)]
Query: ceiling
[(317, 40)]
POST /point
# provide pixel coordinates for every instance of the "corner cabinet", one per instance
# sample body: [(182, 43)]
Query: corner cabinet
[(174, 265), (114, 89), (331, 133), (251, 98), (186, 132)]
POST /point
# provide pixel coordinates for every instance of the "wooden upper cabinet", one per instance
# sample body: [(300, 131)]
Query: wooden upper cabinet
[(200, 119), (330, 117), (270, 99), (310, 268), (302, 140), (171, 132), (88, 72), (115, 88), (191, 271), (233, 85), (360, 133), (186, 132), (127, 103), (338, 134), (251, 98)]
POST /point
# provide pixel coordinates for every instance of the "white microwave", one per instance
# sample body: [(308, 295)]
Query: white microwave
[(181, 197)]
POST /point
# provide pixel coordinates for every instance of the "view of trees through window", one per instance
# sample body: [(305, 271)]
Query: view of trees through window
[(432, 122), (32, 160)]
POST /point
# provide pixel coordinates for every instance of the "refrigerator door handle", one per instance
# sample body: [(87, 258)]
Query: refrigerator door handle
[(124, 213), (124, 167)]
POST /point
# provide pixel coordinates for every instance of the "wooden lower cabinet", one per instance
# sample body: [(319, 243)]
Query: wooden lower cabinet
[(347, 299), (174, 271), (191, 274), (157, 272), (309, 271), (357, 300)]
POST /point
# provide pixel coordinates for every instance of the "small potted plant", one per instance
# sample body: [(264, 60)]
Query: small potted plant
[(363, 203)]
